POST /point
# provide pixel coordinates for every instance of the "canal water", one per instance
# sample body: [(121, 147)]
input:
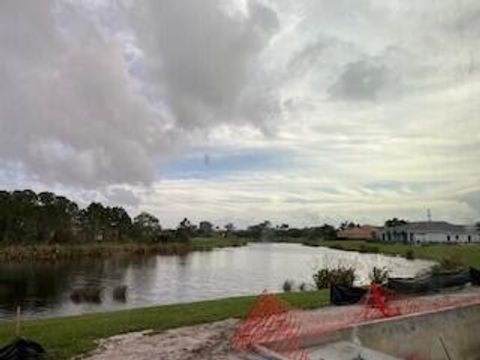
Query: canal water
[(43, 289)]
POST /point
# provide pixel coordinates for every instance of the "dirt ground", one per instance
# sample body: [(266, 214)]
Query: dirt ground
[(201, 342)]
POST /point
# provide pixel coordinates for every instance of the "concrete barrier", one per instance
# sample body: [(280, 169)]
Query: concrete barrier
[(426, 336)]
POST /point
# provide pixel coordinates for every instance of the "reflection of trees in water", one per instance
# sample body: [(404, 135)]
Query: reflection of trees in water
[(32, 285), (183, 259), (142, 272), (39, 285)]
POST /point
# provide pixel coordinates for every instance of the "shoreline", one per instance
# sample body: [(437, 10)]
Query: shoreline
[(467, 254), (21, 253)]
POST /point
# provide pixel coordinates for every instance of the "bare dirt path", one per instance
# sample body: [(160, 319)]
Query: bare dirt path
[(201, 342)]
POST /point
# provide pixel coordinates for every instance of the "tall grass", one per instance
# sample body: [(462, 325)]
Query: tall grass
[(66, 252)]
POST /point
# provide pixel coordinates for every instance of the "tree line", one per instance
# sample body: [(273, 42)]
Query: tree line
[(46, 218), (27, 217), (265, 231)]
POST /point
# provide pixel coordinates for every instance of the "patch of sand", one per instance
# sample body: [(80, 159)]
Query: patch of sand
[(201, 342)]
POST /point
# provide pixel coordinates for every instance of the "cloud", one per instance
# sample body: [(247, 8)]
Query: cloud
[(361, 80), (123, 197), (303, 199), (69, 112), (74, 108), (308, 56), (472, 199), (202, 61)]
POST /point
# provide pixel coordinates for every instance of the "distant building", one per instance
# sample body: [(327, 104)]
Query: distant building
[(363, 232), (430, 232)]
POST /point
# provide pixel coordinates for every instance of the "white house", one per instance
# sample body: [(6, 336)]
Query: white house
[(430, 232)]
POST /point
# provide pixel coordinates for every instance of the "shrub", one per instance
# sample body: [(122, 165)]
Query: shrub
[(288, 285), (303, 287), (379, 275), (337, 247), (410, 254), (340, 275)]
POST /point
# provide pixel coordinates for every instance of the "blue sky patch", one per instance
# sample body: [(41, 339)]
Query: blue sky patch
[(205, 165)]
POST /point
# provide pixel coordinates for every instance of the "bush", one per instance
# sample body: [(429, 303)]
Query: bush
[(337, 247), (369, 249), (341, 276), (303, 287), (288, 285), (379, 275), (410, 254)]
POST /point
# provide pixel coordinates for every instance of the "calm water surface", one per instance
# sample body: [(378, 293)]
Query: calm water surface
[(44, 289)]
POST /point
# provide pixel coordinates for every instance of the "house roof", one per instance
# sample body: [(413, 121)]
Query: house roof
[(357, 232)]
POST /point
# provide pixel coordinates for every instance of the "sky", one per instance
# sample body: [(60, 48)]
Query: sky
[(300, 112)]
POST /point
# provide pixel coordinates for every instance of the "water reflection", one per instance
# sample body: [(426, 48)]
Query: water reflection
[(43, 289)]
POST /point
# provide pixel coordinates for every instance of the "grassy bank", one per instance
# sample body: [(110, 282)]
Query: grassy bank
[(210, 243), (63, 252), (468, 253), (70, 336)]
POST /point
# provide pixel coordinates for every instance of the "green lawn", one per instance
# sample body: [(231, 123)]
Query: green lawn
[(469, 253), (69, 336)]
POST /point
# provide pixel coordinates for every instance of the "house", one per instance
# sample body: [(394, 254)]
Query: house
[(363, 232), (430, 232)]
